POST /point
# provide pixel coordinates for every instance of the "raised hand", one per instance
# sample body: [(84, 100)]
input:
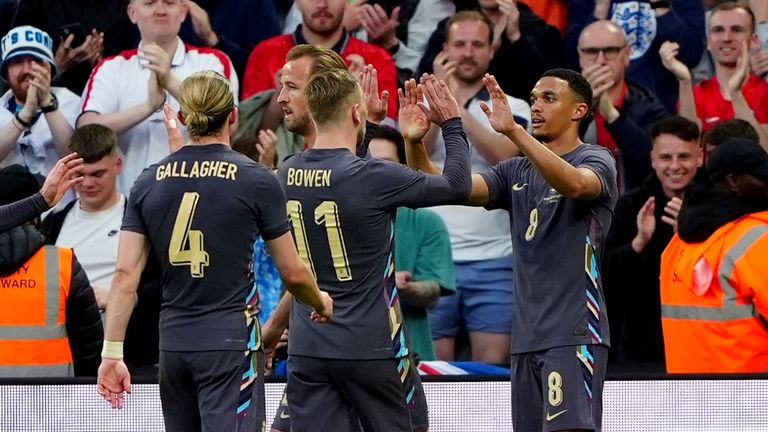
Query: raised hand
[(512, 16), (201, 24), (500, 116), (758, 61), (414, 123), (66, 56), (668, 53), (356, 65), (175, 139), (113, 381), (353, 14), (155, 93), (672, 211), (442, 67), (376, 105), (158, 61), (600, 77), (64, 176), (379, 26), (41, 80), (736, 82), (266, 145), (442, 104), (646, 225)]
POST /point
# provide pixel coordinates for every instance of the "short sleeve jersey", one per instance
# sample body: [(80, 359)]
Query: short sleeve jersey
[(201, 209), (558, 242), (342, 209)]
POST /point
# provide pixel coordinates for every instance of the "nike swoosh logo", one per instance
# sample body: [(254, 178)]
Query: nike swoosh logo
[(554, 416), (518, 187), (284, 415)]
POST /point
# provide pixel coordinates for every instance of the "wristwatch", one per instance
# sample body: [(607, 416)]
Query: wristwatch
[(51, 107)]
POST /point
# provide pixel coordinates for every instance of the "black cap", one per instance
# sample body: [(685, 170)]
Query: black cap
[(17, 183), (738, 156)]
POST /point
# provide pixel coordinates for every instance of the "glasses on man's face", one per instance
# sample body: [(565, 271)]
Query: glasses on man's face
[(610, 53)]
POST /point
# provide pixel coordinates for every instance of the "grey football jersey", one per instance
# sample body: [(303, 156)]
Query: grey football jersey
[(558, 242)]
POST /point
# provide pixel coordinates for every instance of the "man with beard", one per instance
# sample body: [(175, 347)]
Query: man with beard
[(480, 239), (560, 198), (714, 278), (321, 25), (26, 138), (357, 364)]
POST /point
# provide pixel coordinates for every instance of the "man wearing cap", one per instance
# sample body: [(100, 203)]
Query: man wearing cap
[(49, 321), (36, 120), (714, 277)]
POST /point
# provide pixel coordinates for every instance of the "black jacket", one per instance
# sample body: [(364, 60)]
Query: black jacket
[(83, 321), (539, 49)]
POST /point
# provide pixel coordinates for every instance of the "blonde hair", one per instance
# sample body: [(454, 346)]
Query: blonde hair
[(329, 94), (206, 101)]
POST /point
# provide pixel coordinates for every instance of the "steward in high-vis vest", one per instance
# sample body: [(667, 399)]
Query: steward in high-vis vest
[(50, 324), (714, 272)]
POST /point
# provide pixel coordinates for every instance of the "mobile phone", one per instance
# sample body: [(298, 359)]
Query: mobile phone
[(73, 29)]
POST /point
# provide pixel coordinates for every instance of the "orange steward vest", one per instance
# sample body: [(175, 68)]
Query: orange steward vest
[(33, 335), (714, 300)]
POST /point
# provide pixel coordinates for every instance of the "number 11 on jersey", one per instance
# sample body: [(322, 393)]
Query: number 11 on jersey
[(194, 255)]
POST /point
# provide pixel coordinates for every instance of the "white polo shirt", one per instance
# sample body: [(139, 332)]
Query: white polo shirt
[(121, 82), (35, 148)]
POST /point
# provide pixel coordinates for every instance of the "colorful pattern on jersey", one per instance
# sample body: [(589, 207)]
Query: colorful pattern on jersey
[(393, 302), (266, 280), (585, 354), (404, 368), (593, 291), (254, 344)]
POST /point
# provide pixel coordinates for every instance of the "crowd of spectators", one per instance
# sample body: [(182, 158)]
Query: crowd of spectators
[(93, 77)]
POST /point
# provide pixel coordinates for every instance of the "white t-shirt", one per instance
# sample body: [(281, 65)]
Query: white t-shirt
[(35, 149), (121, 82), (94, 236)]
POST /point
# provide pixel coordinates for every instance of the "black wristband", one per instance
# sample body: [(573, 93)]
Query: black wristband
[(51, 107), (660, 4), (22, 122), (394, 49)]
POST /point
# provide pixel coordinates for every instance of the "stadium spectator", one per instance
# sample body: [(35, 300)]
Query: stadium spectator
[(735, 128), (36, 119), (643, 223), (713, 273), (48, 314), (519, 35), (624, 112), (126, 92), (321, 25), (734, 92), (647, 23)]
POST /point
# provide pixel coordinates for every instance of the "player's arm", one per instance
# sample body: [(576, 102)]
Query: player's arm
[(277, 323), (572, 182), (114, 379), (297, 276)]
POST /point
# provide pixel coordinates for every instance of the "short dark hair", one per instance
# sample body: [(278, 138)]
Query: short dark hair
[(469, 15), (18, 183), (392, 135), (676, 125), (94, 141), (576, 82), (732, 5), (734, 128)]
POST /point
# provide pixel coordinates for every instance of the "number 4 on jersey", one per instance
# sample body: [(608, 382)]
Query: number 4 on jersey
[(194, 255)]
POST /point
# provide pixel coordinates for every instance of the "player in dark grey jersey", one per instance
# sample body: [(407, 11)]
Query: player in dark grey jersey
[(302, 62), (200, 210), (560, 198), (341, 208)]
